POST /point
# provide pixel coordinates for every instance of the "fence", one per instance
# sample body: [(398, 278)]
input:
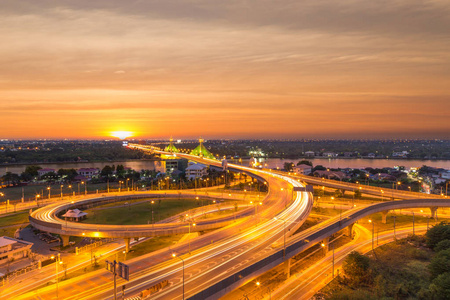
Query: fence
[(13, 275), (89, 247)]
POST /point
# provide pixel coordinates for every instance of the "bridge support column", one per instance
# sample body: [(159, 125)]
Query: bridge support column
[(287, 270), (350, 230), (383, 216), (127, 245), (324, 245), (65, 240), (343, 192), (433, 212)]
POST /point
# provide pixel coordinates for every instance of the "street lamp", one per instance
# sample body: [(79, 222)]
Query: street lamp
[(193, 225), (151, 204), (373, 230), (57, 262), (61, 191), (48, 188), (174, 255), (284, 234)]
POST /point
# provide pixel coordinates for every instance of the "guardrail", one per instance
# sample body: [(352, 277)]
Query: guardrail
[(302, 242)]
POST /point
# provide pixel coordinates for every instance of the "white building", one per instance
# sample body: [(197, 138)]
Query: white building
[(310, 153), (42, 172), (329, 154), (12, 249), (88, 172), (196, 171), (302, 169)]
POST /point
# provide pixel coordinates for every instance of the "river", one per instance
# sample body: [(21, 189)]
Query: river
[(271, 163)]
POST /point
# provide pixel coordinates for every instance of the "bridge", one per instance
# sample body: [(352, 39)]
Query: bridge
[(243, 250)]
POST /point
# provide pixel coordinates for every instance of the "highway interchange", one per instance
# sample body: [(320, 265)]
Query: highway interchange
[(219, 254)]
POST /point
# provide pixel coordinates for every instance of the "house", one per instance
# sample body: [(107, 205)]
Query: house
[(42, 172), (402, 154), (329, 154), (302, 169), (74, 215), (330, 174), (88, 172), (310, 153), (13, 249), (371, 155), (196, 171)]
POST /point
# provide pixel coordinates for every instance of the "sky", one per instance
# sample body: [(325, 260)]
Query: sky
[(225, 69)]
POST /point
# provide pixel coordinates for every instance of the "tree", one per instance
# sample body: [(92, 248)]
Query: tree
[(356, 267), (437, 233), (442, 245), (32, 170), (107, 171), (319, 168), (440, 287), (288, 166), (440, 263), (305, 162)]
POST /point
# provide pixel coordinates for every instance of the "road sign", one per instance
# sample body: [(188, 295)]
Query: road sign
[(124, 271), (308, 188)]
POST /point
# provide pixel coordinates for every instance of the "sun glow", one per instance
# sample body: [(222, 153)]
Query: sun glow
[(121, 134)]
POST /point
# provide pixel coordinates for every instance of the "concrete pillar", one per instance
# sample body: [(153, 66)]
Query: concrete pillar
[(287, 269), (65, 240), (383, 216), (343, 192), (324, 245), (350, 230), (127, 245), (433, 212)]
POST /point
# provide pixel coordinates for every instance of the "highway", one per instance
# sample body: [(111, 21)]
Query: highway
[(222, 252), (305, 284), (233, 255)]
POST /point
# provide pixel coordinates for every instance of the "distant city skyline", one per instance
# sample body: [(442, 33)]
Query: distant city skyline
[(225, 69)]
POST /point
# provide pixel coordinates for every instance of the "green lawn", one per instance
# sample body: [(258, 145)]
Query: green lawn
[(139, 213), (14, 219)]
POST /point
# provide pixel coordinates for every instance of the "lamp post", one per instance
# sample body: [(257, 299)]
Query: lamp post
[(61, 191), (193, 225), (373, 231), (395, 236), (151, 204), (284, 234), (57, 262), (413, 223), (182, 260), (48, 188), (323, 246)]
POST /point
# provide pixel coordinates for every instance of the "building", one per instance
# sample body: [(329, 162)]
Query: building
[(13, 249), (88, 172), (74, 215), (330, 174), (302, 169), (310, 153), (329, 154), (196, 171), (42, 172)]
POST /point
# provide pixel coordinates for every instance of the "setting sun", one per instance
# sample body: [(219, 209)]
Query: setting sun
[(121, 134)]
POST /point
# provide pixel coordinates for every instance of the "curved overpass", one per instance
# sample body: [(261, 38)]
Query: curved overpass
[(46, 219), (365, 189)]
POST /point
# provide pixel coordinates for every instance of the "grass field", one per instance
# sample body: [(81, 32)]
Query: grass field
[(139, 213)]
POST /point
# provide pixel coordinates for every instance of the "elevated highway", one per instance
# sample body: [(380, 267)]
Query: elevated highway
[(386, 193), (241, 251), (235, 245)]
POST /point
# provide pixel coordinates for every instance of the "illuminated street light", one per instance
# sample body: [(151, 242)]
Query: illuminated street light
[(174, 255), (284, 234)]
